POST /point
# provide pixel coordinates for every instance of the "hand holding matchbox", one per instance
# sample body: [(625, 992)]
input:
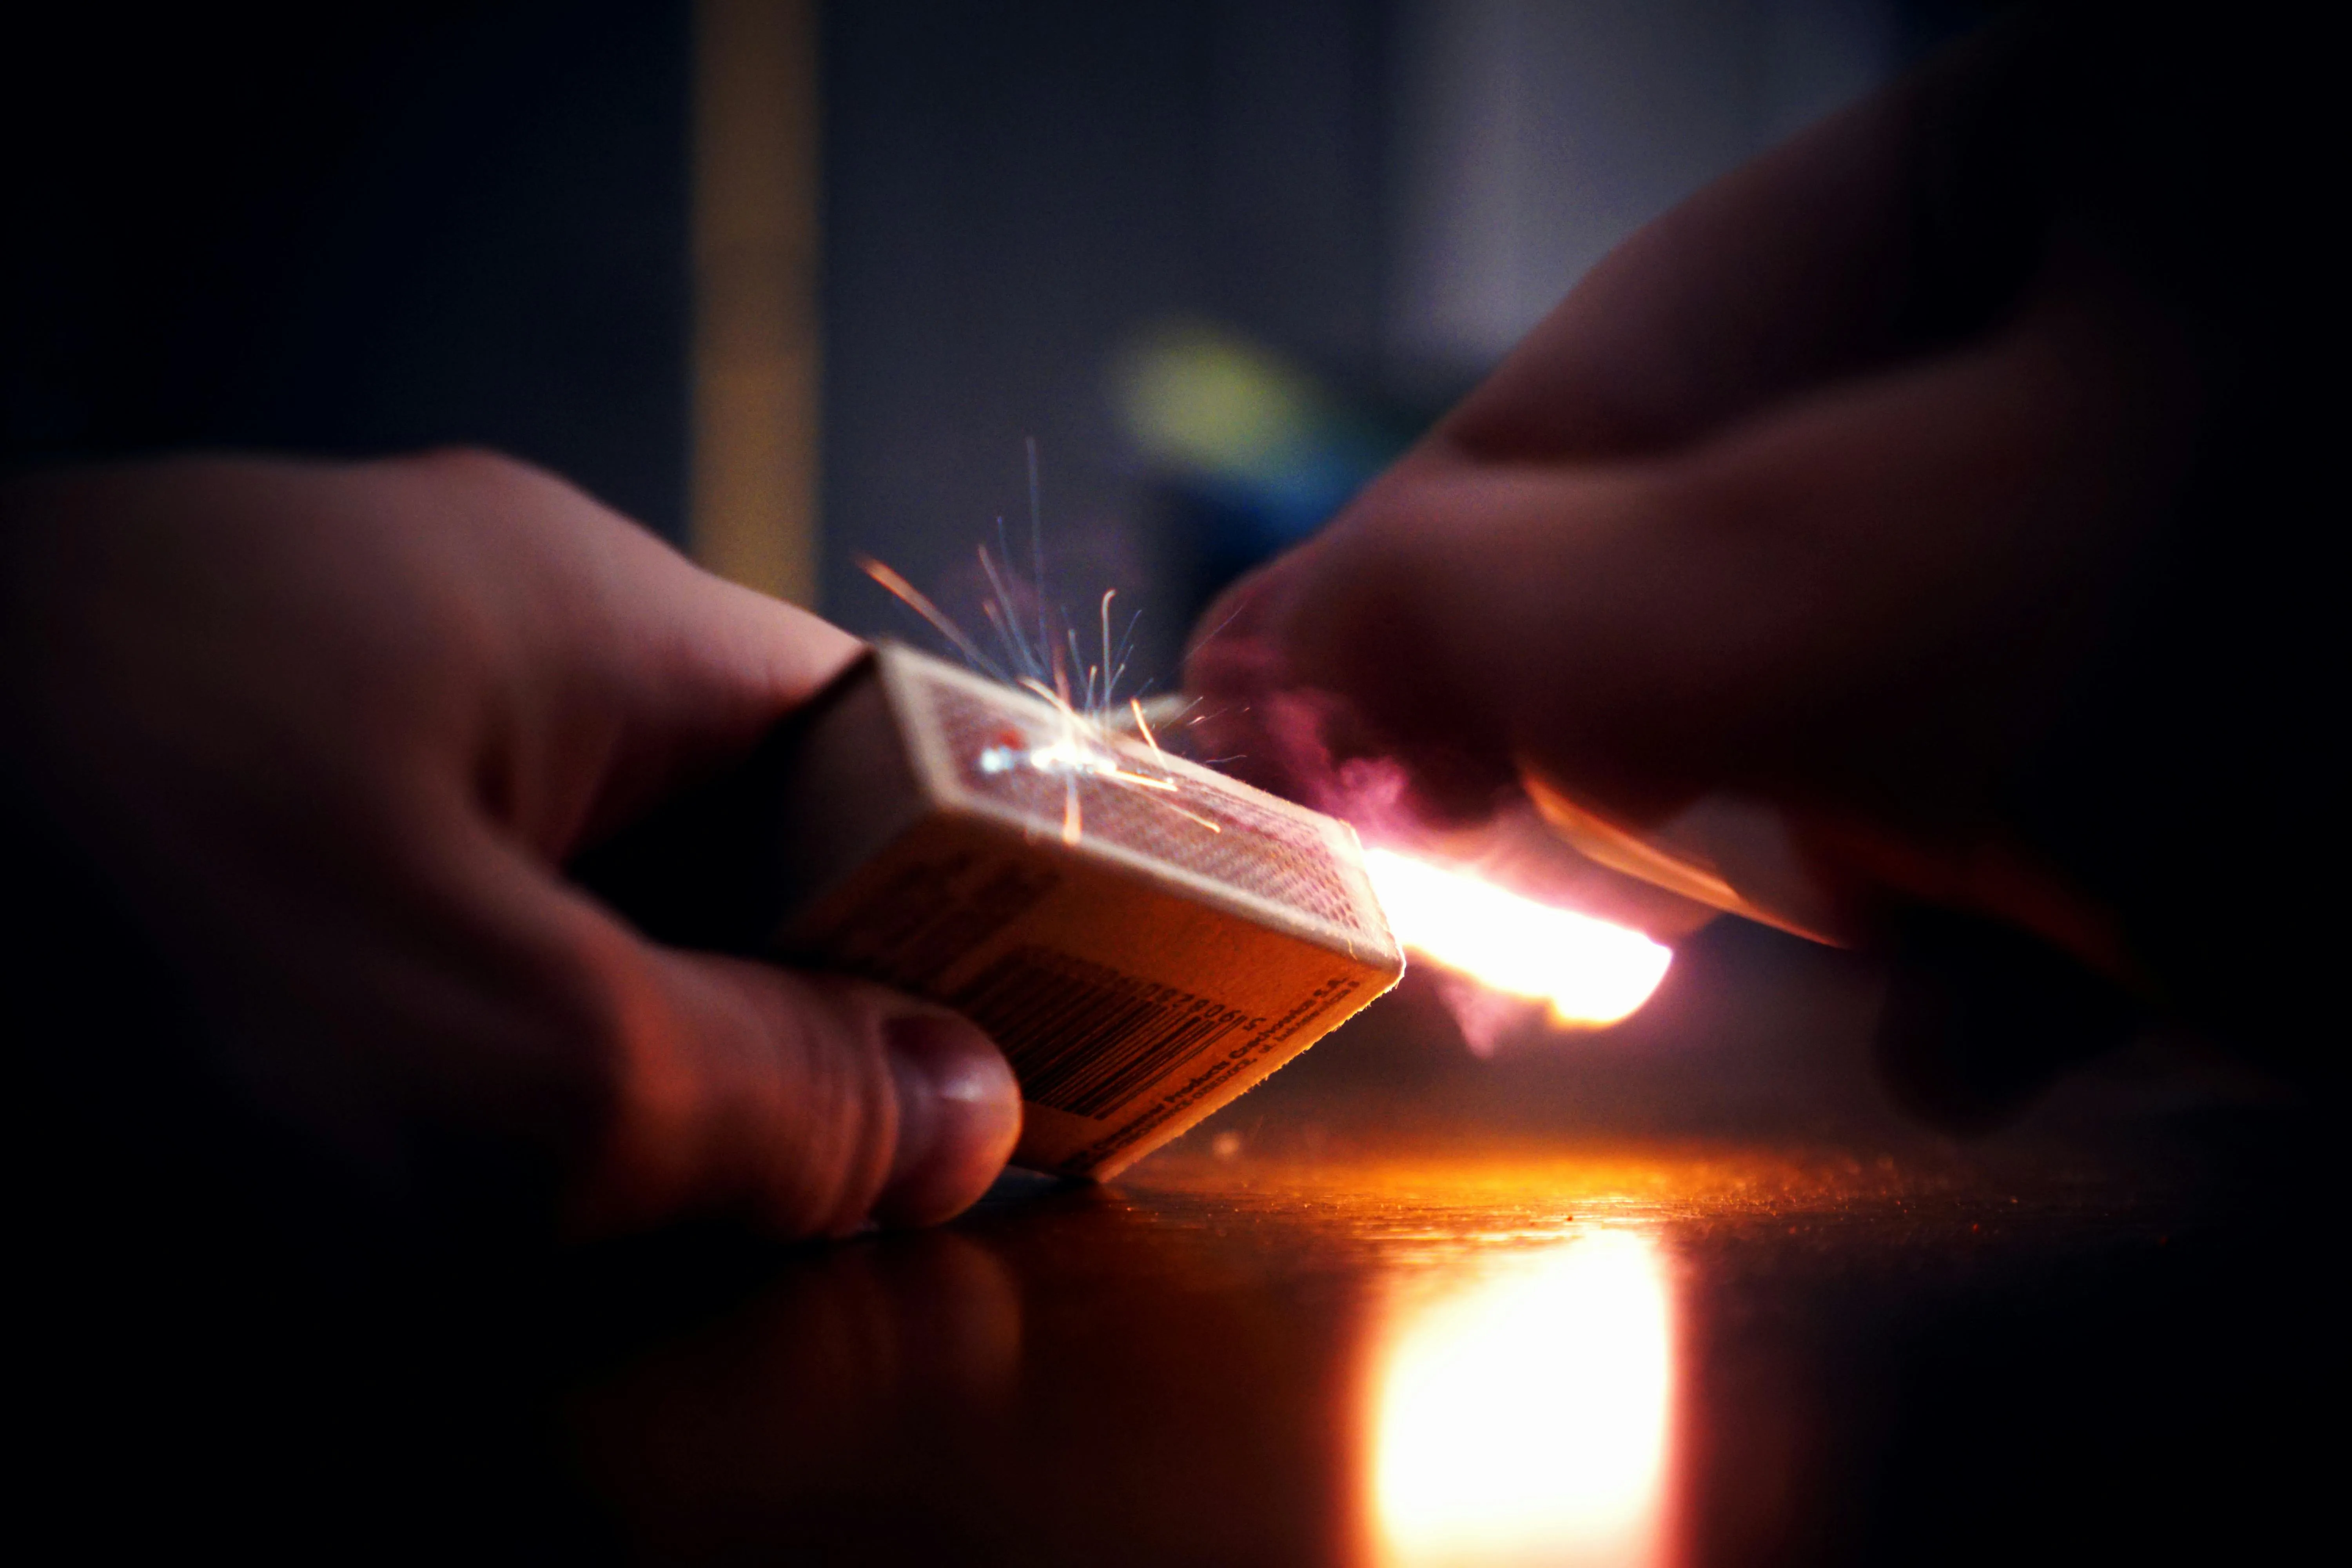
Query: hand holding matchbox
[(1145, 938)]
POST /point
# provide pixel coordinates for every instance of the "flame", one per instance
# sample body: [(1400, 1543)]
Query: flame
[(1525, 1419), (1589, 971)]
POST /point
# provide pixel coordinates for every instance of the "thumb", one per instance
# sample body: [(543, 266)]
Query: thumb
[(811, 1104)]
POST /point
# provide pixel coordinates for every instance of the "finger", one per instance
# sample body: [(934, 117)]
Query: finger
[(1879, 233), (1890, 226), (1870, 595), (816, 1103), (664, 1084), (424, 996), (812, 1104), (1257, 713), (630, 670)]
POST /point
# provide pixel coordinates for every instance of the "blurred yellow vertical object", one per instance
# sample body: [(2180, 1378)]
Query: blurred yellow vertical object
[(753, 498)]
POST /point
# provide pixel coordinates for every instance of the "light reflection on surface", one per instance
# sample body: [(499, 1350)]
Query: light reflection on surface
[(1521, 1415), (1590, 971)]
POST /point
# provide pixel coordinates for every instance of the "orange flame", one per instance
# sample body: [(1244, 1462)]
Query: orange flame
[(1589, 971)]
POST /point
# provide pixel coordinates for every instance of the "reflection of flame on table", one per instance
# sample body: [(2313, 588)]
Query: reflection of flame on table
[(1522, 1418), (1588, 970)]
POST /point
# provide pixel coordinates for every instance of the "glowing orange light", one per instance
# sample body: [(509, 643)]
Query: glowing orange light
[(1522, 1418), (1590, 971)]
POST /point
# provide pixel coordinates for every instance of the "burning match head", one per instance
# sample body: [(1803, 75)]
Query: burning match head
[(1589, 972), (1144, 938)]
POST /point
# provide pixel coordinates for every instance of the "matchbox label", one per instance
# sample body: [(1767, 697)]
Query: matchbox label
[(1084, 1038), (917, 921), (1205, 1088)]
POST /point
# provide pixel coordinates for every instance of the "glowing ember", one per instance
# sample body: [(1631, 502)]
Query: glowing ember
[(1589, 971)]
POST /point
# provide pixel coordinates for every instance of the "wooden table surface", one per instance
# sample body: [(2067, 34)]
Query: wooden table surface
[(1681, 1294)]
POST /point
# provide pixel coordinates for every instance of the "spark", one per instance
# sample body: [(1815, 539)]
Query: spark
[(1143, 726), (1036, 535), (1111, 677), (1003, 609), (915, 599), (1082, 691)]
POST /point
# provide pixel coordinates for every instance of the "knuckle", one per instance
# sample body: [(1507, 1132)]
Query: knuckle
[(706, 1084), (826, 1142), (609, 1070), (468, 462), (494, 480)]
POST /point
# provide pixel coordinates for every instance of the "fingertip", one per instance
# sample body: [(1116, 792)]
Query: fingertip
[(959, 1117)]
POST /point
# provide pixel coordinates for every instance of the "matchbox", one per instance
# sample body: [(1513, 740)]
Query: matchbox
[(1145, 938)]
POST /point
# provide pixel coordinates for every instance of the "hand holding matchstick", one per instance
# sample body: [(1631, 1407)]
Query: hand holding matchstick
[(1919, 507)]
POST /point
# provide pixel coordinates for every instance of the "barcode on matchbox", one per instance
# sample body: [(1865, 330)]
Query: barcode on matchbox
[(1084, 1038)]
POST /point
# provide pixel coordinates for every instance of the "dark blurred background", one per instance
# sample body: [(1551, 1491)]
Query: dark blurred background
[(795, 284), (1218, 258), (350, 229), (1223, 259)]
